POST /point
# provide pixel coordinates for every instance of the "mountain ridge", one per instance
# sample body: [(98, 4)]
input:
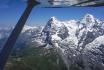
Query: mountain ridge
[(75, 41)]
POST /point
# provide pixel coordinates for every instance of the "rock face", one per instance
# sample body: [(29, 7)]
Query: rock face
[(26, 36), (80, 43)]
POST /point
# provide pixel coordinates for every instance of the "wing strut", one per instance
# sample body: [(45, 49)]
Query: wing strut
[(7, 48)]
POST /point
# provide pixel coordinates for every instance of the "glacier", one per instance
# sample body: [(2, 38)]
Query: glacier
[(80, 43)]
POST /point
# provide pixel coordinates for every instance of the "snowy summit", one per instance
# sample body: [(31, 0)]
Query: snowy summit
[(80, 41)]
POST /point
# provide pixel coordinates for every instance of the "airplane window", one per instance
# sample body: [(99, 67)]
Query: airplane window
[(52, 35)]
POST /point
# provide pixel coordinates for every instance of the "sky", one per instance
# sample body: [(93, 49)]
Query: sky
[(11, 10)]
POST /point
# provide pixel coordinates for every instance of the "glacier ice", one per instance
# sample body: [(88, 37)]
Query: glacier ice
[(80, 43)]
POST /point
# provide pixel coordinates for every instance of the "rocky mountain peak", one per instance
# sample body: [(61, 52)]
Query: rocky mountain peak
[(52, 20), (75, 41), (88, 19)]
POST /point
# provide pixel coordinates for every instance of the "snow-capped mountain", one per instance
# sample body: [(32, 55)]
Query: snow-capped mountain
[(78, 42), (4, 32), (26, 36), (72, 39)]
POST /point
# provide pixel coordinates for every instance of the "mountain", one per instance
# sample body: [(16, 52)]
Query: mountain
[(25, 37), (78, 42)]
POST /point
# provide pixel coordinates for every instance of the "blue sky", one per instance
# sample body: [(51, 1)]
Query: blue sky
[(11, 10)]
